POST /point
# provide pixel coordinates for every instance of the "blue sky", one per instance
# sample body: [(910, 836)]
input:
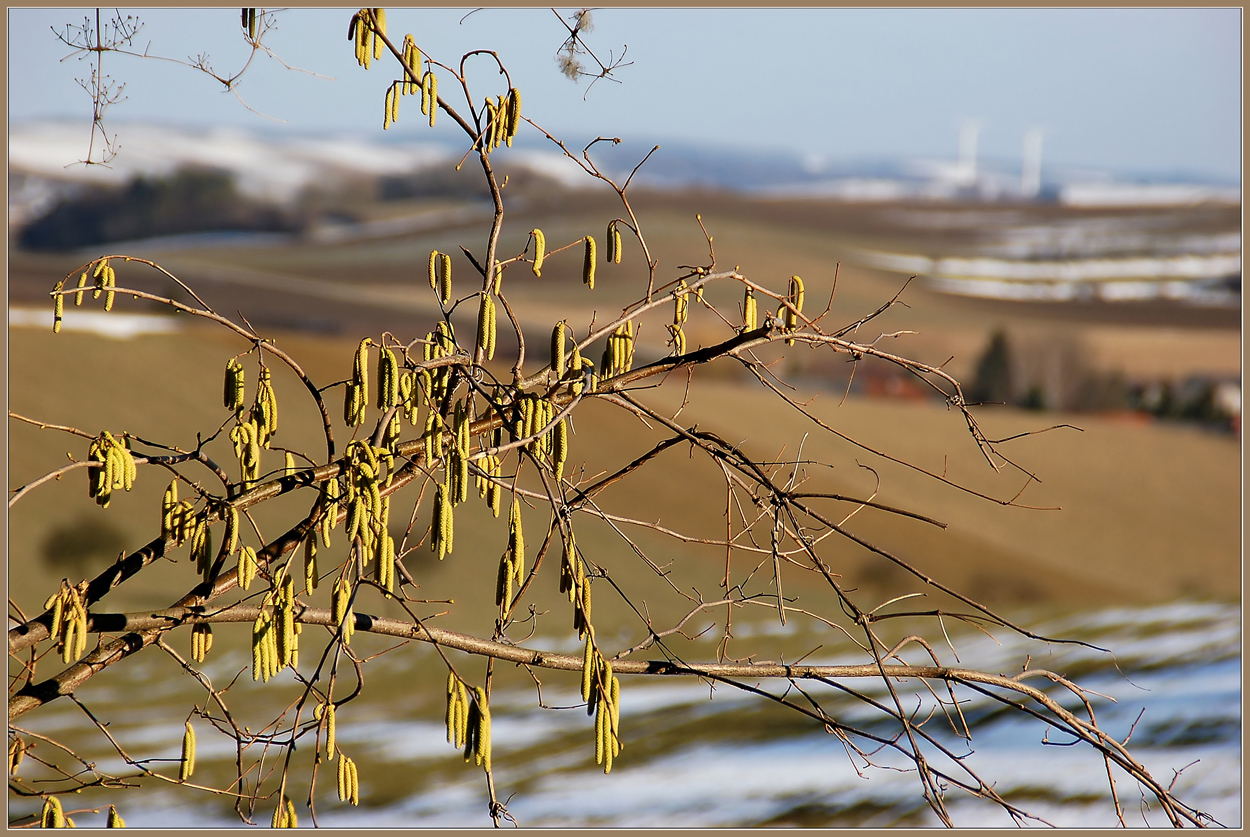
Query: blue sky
[(1143, 90)]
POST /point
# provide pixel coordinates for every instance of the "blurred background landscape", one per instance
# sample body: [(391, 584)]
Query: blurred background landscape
[(1102, 299)]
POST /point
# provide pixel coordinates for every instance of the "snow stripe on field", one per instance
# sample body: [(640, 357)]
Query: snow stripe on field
[(116, 326)]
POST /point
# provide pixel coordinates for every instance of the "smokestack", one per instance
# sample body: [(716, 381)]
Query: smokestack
[(1031, 174), (968, 151)]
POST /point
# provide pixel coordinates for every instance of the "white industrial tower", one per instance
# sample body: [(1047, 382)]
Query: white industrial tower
[(968, 152), (1031, 174)]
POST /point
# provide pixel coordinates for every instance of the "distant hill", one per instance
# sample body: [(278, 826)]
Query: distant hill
[(281, 167)]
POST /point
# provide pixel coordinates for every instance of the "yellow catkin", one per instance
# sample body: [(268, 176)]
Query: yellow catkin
[(462, 697), (588, 266), (310, 563), (56, 602), (460, 719), (379, 18), (438, 542), (53, 815), (329, 714), (272, 662), (559, 352), (446, 526), (81, 613), (588, 660), (185, 519), (232, 528), (82, 283), (386, 563), (444, 278), (201, 641), (503, 582), (361, 369), (600, 735), (494, 120), (247, 567), (285, 613), (114, 466), (110, 282), (492, 331), (58, 307), (542, 418), (451, 708), (233, 395), (609, 749), (500, 132), (431, 83), (540, 250), (560, 445), (168, 503), (351, 405), (388, 379), (388, 107), (349, 781), (344, 777), (614, 700), (796, 299), (514, 114), (17, 752), (462, 477), (679, 339), (115, 819), (483, 728), (202, 547), (529, 416), (516, 538), (433, 96), (187, 767), (266, 406), (486, 326), (681, 302), (132, 470), (68, 641), (412, 64), (629, 345), (98, 276), (342, 612), (259, 667)]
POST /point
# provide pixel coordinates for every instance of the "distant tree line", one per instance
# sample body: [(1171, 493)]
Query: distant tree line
[(197, 200), (188, 201), (1060, 378)]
